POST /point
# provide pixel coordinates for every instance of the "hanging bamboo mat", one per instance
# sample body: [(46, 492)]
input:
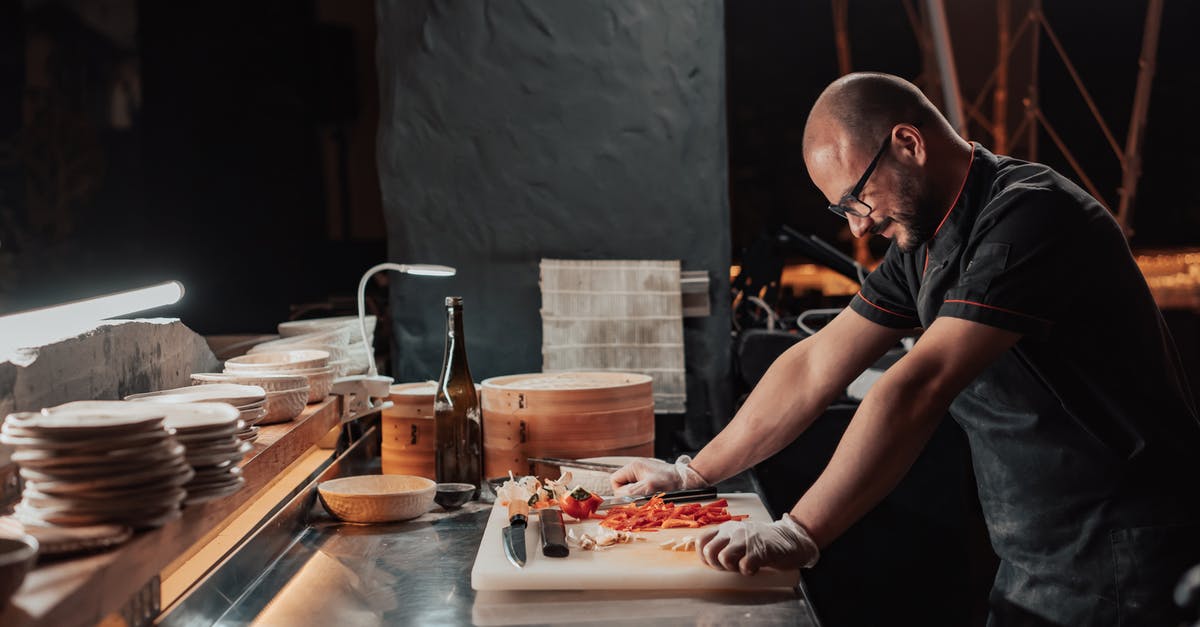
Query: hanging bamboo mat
[(616, 315)]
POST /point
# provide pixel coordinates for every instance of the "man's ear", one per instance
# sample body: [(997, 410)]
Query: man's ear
[(909, 143)]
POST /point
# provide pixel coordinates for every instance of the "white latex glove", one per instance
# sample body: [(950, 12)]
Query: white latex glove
[(746, 546), (651, 476)]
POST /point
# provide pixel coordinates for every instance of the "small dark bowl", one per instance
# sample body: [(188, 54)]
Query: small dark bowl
[(17, 556), (453, 495)]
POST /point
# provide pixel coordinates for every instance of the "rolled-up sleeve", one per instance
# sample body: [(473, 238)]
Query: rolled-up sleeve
[(886, 297)]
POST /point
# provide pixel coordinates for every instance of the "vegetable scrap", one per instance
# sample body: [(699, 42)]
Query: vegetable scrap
[(657, 514), (686, 543), (604, 539)]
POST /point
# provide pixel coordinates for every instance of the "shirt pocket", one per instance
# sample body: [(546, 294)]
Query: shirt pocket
[(988, 262)]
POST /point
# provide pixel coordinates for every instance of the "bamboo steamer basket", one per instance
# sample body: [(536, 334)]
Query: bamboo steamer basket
[(408, 439), (564, 414)]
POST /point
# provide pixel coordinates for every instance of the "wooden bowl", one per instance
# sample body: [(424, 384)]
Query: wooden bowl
[(377, 498)]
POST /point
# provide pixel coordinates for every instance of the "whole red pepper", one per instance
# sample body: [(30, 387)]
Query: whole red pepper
[(580, 503)]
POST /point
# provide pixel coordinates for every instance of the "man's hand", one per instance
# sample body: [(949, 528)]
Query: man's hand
[(746, 546), (651, 476)]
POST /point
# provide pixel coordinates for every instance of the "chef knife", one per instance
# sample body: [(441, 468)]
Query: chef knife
[(514, 533), (679, 496), (554, 533)]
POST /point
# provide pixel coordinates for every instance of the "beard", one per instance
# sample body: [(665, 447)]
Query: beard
[(914, 212)]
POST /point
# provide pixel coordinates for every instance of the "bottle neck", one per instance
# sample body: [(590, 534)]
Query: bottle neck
[(455, 360)]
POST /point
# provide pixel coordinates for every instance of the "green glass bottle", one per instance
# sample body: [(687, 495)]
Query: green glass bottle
[(457, 417)]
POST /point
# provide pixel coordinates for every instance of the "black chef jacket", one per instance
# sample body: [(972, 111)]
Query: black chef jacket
[(1081, 433)]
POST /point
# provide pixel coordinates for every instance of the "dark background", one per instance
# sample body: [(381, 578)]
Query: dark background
[(227, 176)]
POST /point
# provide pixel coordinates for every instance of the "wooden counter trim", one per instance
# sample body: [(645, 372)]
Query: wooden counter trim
[(84, 590)]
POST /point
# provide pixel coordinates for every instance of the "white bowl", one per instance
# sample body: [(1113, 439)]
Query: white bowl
[(300, 327), (278, 361), (596, 481), (336, 353), (285, 406), (336, 336), (377, 498), (268, 382)]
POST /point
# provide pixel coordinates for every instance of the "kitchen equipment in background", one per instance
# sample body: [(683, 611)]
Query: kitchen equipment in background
[(640, 565), (564, 414), (377, 498)]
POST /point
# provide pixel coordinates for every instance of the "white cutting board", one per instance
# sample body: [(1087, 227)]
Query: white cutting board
[(640, 565)]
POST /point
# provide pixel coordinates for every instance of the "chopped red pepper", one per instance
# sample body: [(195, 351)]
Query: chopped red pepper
[(580, 504)]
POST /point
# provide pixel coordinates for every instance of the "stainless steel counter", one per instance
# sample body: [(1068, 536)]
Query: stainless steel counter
[(304, 568)]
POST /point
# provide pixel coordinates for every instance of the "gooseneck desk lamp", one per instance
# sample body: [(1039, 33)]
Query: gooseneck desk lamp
[(418, 269)]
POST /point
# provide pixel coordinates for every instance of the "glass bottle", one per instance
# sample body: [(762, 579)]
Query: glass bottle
[(456, 414)]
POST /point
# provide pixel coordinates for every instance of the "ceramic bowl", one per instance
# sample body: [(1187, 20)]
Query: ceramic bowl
[(300, 327), (377, 498), (596, 481), (268, 382), (335, 352), (284, 406), (336, 336), (278, 362), (453, 495), (17, 555)]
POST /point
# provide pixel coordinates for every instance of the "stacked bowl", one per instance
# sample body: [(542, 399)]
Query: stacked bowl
[(97, 462), (287, 395), (319, 330), (249, 400), (312, 364)]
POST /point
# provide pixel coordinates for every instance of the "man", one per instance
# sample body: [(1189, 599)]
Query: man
[(1040, 339)]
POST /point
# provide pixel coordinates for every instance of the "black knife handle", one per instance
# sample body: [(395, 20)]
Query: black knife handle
[(554, 533)]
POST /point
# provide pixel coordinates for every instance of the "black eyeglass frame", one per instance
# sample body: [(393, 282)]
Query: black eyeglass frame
[(840, 207)]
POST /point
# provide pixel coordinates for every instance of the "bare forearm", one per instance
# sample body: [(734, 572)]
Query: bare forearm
[(789, 397), (886, 435)]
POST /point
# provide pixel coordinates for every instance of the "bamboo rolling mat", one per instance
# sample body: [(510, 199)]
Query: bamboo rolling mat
[(618, 315)]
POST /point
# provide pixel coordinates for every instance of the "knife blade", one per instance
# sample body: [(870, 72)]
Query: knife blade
[(678, 496), (514, 534)]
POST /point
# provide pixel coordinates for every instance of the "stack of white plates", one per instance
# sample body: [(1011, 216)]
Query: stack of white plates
[(249, 400), (287, 395), (97, 462), (209, 432)]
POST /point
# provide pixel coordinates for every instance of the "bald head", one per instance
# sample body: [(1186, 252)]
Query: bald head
[(860, 109)]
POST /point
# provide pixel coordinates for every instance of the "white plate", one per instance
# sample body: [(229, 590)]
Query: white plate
[(231, 393)]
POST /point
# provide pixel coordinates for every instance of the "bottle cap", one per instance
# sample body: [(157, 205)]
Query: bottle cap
[(454, 301)]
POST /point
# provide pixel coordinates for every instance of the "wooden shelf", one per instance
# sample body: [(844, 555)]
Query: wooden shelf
[(84, 590)]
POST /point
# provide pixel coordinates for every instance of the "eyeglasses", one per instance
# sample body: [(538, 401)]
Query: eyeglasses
[(848, 205)]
